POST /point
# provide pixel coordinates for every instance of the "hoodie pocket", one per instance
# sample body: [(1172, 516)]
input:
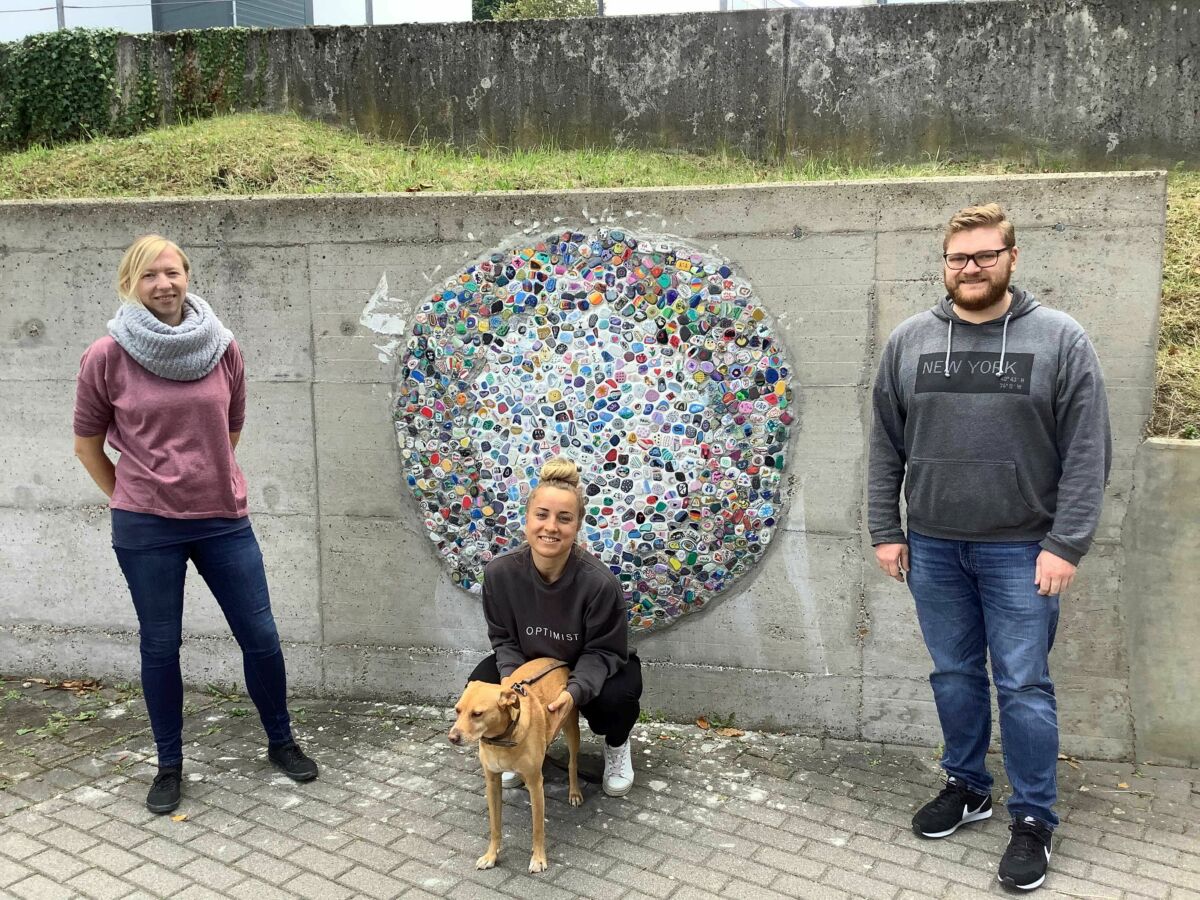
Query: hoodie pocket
[(971, 496)]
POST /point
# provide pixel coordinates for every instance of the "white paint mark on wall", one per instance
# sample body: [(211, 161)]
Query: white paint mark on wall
[(382, 314)]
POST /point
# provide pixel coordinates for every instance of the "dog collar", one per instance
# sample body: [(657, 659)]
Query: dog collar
[(504, 739)]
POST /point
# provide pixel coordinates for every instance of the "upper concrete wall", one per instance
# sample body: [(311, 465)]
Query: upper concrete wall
[(816, 640), (1081, 78)]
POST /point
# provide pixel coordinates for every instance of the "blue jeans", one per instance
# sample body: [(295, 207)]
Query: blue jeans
[(232, 567), (975, 599)]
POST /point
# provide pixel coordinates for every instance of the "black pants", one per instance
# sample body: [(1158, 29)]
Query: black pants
[(611, 713)]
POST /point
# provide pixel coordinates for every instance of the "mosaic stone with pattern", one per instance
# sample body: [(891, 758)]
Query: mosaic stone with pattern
[(647, 362)]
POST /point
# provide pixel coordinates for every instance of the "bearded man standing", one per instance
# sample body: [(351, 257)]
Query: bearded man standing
[(991, 410)]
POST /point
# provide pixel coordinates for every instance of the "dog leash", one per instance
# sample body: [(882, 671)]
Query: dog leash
[(504, 739)]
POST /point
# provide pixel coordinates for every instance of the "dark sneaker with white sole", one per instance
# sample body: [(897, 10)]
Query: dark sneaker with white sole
[(955, 806), (164, 793), (291, 759), (1023, 865)]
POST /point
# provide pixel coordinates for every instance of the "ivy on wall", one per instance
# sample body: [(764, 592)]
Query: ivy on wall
[(63, 85), (57, 86)]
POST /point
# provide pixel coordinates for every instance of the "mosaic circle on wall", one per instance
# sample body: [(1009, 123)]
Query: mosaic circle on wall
[(648, 363)]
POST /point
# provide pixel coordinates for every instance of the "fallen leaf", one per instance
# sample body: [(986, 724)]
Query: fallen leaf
[(730, 732), (702, 722), (1122, 785), (664, 737), (182, 817)]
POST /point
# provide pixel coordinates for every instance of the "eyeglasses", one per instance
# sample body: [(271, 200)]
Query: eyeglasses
[(985, 259)]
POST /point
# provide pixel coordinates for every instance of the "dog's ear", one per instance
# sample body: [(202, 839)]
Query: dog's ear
[(508, 698)]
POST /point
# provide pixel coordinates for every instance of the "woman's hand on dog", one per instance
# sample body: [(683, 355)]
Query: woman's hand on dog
[(564, 702)]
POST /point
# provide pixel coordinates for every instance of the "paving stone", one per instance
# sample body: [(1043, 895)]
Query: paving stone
[(378, 858), (28, 822), (253, 889), (164, 852), (157, 880), (800, 864), (265, 866), (100, 884), (746, 891), (11, 872), (17, 846), (39, 887), (584, 885), (1179, 877), (211, 874), (269, 841), (430, 879), (219, 847), (742, 869), (198, 892), (795, 886), (1138, 884), (324, 864), (314, 887), (371, 883), (55, 864), (112, 859), (691, 892)]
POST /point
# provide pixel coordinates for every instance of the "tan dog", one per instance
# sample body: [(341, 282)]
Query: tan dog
[(514, 730)]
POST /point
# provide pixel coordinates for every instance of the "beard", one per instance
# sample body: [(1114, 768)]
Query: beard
[(976, 302)]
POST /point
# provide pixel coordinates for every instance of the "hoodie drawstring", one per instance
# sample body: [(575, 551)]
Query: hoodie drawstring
[(949, 340), (1003, 346)]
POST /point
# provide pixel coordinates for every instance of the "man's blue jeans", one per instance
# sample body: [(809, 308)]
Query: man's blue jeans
[(975, 599), (232, 567)]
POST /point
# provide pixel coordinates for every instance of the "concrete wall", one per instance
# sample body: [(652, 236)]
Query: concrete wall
[(817, 640), (1162, 569), (1086, 79)]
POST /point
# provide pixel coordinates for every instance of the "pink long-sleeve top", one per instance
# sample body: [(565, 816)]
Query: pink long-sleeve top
[(176, 457)]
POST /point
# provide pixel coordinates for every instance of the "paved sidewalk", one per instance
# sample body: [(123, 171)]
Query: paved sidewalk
[(398, 812)]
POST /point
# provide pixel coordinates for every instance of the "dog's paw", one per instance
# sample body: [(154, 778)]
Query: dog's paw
[(575, 798), (537, 864), (487, 861)]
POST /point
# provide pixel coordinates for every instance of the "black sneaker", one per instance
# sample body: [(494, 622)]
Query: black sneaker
[(292, 760), (164, 793), (1023, 865), (956, 805)]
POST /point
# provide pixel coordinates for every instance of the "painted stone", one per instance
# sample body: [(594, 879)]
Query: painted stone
[(649, 363)]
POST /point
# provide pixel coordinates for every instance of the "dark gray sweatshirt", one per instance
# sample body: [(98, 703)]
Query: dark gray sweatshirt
[(999, 431), (580, 618)]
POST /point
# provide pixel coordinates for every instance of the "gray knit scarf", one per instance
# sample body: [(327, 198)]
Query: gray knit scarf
[(185, 352)]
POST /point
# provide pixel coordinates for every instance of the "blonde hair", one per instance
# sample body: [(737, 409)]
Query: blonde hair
[(989, 215), (560, 473), (137, 259)]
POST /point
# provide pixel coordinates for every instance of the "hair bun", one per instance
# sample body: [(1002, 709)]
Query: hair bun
[(560, 469)]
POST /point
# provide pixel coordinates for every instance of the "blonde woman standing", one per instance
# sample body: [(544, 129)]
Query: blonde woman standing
[(167, 389), (550, 597)]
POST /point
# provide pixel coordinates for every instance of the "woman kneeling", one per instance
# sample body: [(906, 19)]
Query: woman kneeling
[(550, 597)]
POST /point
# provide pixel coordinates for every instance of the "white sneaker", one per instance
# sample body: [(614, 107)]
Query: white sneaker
[(618, 770), (511, 779)]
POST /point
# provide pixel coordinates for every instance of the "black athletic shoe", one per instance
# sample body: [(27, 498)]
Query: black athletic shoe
[(292, 760), (1023, 865), (956, 805), (164, 793)]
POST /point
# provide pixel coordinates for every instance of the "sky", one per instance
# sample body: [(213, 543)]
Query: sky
[(21, 17)]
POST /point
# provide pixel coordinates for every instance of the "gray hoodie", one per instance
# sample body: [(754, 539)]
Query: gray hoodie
[(999, 430)]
